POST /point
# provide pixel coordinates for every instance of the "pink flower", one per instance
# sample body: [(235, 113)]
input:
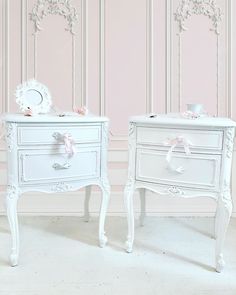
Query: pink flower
[(81, 111)]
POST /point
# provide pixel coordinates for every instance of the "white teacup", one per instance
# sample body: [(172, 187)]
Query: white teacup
[(195, 108)]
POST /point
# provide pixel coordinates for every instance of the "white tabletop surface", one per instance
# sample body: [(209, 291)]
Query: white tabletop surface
[(52, 118), (179, 119)]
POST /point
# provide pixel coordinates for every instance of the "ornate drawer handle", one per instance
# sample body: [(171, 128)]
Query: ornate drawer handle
[(58, 166), (177, 141), (68, 142), (57, 135)]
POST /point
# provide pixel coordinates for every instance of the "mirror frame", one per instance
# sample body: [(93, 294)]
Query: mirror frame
[(42, 108)]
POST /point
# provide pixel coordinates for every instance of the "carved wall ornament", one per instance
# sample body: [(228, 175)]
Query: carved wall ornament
[(63, 8), (208, 8)]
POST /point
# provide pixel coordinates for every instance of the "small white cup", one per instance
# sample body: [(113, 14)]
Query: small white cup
[(195, 108)]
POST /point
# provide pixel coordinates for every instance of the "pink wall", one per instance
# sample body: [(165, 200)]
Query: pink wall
[(126, 52)]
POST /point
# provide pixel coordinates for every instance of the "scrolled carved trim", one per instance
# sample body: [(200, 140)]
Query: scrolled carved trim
[(43, 8), (61, 187), (10, 135), (229, 143), (131, 128), (105, 129), (13, 192), (208, 8), (174, 191), (226, 196)]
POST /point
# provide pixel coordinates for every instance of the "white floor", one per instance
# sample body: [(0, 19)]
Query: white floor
[(59, 255)]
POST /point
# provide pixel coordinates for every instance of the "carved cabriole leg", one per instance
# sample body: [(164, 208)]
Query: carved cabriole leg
[(104, 205), (11, 208), (86, 203), (224, 210), (128, 198), (216, 220), (142, 192)]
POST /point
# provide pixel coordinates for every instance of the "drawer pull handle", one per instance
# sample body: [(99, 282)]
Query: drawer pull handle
[(68, 141), (177, 141), (58, 166)]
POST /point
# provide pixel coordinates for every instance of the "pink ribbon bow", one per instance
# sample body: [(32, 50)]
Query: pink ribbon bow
[(181, 141), (69, 144)]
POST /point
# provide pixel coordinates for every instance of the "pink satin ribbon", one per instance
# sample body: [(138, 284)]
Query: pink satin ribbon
[(177, 141), (69, 144)]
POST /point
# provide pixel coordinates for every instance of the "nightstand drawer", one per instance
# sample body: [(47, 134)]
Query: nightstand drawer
[(47, 135), (47, 166), (199, 139), (199, 170)]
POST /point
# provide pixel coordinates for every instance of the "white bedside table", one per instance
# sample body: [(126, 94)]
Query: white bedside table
[(181, 157), (37, 161)]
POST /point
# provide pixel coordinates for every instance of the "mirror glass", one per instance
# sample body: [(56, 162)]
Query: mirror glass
[(33, 97)]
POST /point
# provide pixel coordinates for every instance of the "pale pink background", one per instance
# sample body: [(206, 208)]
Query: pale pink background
[(125, 68)]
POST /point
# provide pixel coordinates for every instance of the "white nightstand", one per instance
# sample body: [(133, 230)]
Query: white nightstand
[(179, 157), (37, 161)]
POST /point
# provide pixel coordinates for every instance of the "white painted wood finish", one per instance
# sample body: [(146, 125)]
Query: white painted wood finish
[(206, 170), (37, 162)]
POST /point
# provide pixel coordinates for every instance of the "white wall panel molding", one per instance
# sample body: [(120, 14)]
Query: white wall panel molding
[(5, 57), (229, 58), (168, 57), (84, 55), (45, 8), (149, 56), (24, 40), (177, 14), (102, 45)]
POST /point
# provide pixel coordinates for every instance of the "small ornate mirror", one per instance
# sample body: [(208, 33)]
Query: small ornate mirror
[(34, 95)]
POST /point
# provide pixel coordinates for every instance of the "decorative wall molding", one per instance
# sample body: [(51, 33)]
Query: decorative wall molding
[(44, 8), (212, 10), (5, 58), (64, 8), (149, 63), (209, 8), (229, 61), (84, 54), (24, 40), (185, 10), (149, 56), (102, 60), (168, 105)]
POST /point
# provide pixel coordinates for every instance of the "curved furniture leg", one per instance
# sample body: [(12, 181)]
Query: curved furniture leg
[(11, 208), (128, 198), (216, 221), (86, 202), (142, 192), (224, 210), (103, 210)]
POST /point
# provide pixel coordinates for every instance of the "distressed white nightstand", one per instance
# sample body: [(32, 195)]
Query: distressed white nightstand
[(179, 157), (37, 161)]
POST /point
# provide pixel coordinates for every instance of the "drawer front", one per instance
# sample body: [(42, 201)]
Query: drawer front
[(47, 135), (199, 170), (49, 166), (200, 139)]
